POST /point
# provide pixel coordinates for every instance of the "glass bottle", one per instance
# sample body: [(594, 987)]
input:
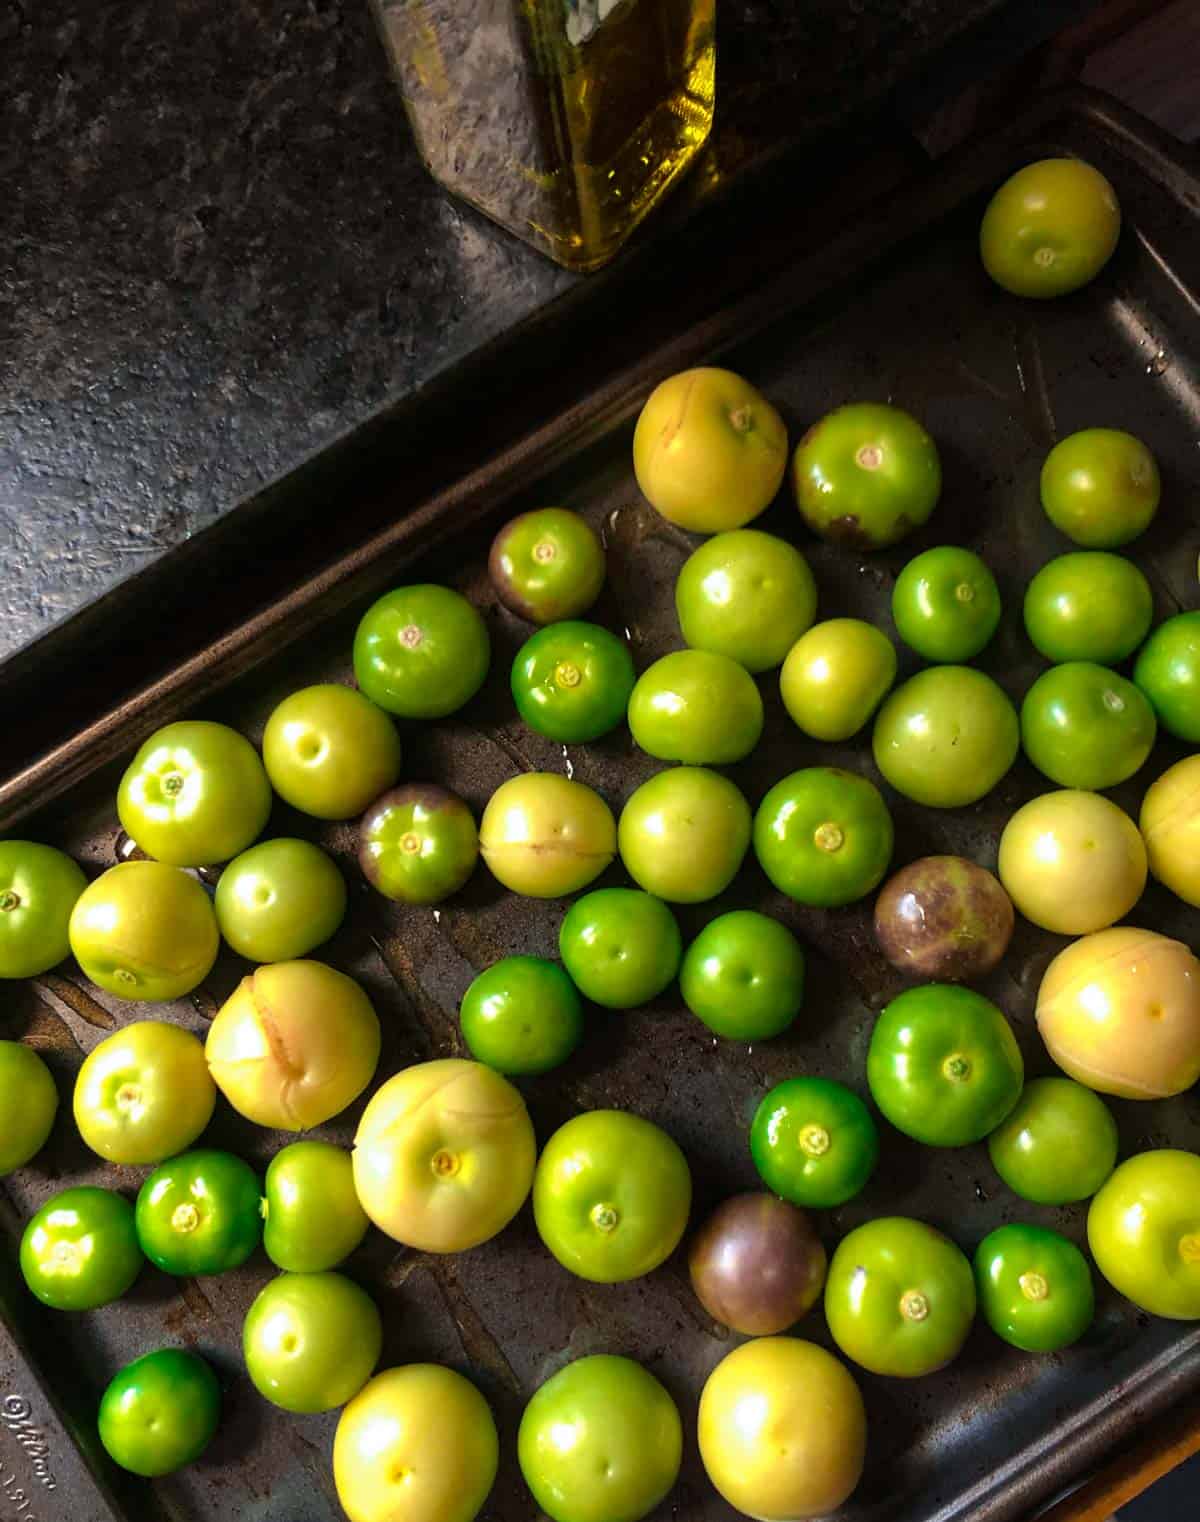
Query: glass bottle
[(563, 120)]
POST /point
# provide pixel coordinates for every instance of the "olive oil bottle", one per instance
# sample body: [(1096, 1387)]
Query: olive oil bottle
[(563, 120)]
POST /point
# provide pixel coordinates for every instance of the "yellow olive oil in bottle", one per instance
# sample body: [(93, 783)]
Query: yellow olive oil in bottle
[(563, 120)]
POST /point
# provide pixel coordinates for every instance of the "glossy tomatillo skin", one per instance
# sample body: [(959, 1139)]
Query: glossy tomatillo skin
[(418, 843), (1057, 1144), (144, 1093), (757, 1265), (866, 475), (417, 1444), (943, 918), (1100, 487), (945, 737), (547, 565), (1144, 1232), (1119, 1011), (1170, 826), (195, 793), (39, 887), (1073, 862), (835, 676), (696, 707), (746, 595), (600, 1441), (444, 1155), (29, 1103), (421, 652), (329, 750), (145, 931), (782, 1429), (611, 1196), (900, 1297), (683, 834), (1050, 228)]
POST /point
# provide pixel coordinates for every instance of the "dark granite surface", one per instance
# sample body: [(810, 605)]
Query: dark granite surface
[(218, 250)]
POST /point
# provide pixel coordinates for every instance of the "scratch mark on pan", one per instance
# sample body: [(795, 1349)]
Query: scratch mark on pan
[(503, 744), (441, 1032), (402, 1267), (76, 1000), (195, 1299), (1035, 393), (477, 1340), (317, 1467)]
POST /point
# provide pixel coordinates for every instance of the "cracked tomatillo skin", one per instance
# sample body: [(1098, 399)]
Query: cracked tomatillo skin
[(1170, 826), (900, 1297), (80, 1250), (293, 1045), (144, 1093), (611, 1196), (545, 836), (198, 1213), (1119, 1011), (824, 836), (943, 918), (547, 565), (943, 1065), (196, 793), (782, 1430), (444, 1155), (418, 1443), (709, 451), (145, 931), (756, 1264), (866, 475), (418, 844), (600, 1441), (1144, 1232), (39, 887)]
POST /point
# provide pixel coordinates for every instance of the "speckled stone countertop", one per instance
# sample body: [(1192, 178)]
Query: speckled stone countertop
[(218, 250)]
